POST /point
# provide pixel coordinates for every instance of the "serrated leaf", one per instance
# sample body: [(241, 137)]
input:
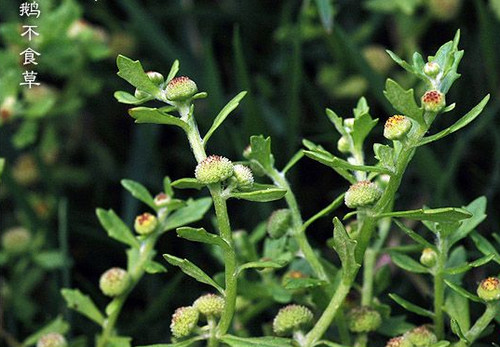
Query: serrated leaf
[(58, 325), (221, 117), (153, 267), (336, 121), (403, 100), (261, 151), (187, 183), (462, 291), (260, 193), (192, 212), (139, 192), (265, 264), (416, 237), (192, 270), (385, 155), (407, 263), (201, 235), (439, 215), (411, 307), (345, 248), (83, 304), (132, 72), (116, 228), (155, 116), (129, 99), (267, 341)]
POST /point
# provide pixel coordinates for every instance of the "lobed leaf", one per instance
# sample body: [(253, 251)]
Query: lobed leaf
[(132, 72), (403, 100), (116, 228), (83, 304), (261, 151), (345, 248), (192, 212)]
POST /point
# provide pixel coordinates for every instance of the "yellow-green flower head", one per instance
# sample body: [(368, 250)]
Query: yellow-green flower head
[(343, 145), (364, 319), (180, 89), (421, 336), (209, 305), (162, 200), (243, 175), (361, 194), (114, 282), (431, 69), (145, 223), (396, 127), (52, 340), (399, 341), (428, 257), (279, 222), (291, 318), (184, 320), (16, 240), (155, 77), (213, 169), (433, 101), (489, 289)]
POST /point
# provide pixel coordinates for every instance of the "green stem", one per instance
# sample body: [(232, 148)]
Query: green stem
[(368, 276), (361, 340), (492, 310), (212, 328), (439, 287)]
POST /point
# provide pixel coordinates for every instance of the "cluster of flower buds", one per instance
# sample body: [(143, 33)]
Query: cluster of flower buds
[(114, 282), (52, 340), (216, 168), (278, 223), (364, 319), (362, 194), (291, 318), (16, 240)]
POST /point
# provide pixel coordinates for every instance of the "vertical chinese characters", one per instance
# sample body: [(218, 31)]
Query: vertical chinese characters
[(30, 56)]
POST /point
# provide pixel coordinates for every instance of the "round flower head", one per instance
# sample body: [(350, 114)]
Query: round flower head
[(278, 223), (421, 336), (184, 320), (114, 282), (155, 77), (396, 127), (214, 169), (428, 257), (431, 69), (433, 101), (145, 223), (364, 319), (399, 341), (343, 145), (361, 194), (180, 89), (243, 175), (209, 305), (52, 340), (161, 200), (16, 240), (291, 318), (489, 289)]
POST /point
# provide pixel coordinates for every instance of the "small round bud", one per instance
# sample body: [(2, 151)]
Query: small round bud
[(489, 289), (399, 341), (364, 319), (52, 340), (139, 94), (16, 240), (114, 282), (433, 101), (180, 89), (243, 175), (291, 318), (428, 257), (421, 336), (145, 223), (431, 69), (278, 223), (343, 145), (214, 169), (209, 305), (361, 194), (377, 58), (184, 320), (396, 127), (155, 77), (162, 200)]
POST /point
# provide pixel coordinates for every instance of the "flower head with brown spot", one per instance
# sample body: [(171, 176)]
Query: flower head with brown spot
[(489, 289), (433, 101), (180, 89), (145, 223), (396, 127)]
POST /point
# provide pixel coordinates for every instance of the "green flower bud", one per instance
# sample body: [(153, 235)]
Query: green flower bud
[(180, 89), (361, 194), (210, 305), (16, 240), (399, 341), (114, 282), (214, 169), (364, 319), (377, 58), (155, 77), (291, 318), (489, 289), (396, 127), (444, 10), (278, 223), (343, 145), (184, 320), (162, 200), (433, 101), (428, 257), (421, 336), (145, 223), (243, 175), (431, 69), (52, 340)]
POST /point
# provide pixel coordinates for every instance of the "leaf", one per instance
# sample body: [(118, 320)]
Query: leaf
[(462, 122), (363, 123), (416, 237), (302, 283), (294, 160), (457, 307), (326, 211), (192, 270), (132, 72), (58, 325), (139, 192), (153, 267), (403, 100), (155, 116), (385, 155), (50, 260), (484, 246), (187, 183), (173, 71), (401, 62), (467, 266), (261, 151), (411, 307), (457, 330), (260, 193), (268, 264), (167, 186), (267, 341), (336, 121), (326, 11), (226, 110), (337, 163), (439, 215), (83, 304), (395, 325), (345, 248), (201, 235), (478, 210), (127, 98), (2, 166), (116, 228), (407, 263), (185, 343), (462, 291), (192, 212)]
